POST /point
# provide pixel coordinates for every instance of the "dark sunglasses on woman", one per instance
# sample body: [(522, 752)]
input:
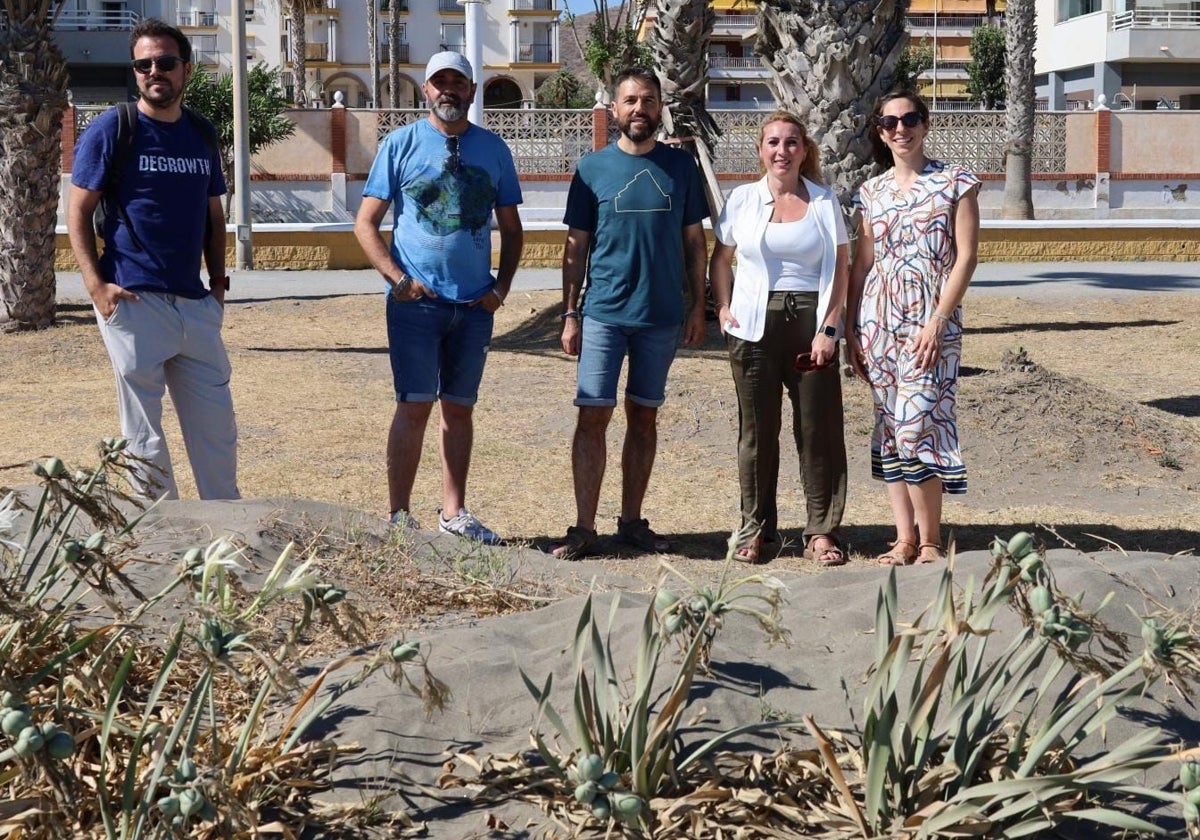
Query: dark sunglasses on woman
[(911, 120), (165, 63)]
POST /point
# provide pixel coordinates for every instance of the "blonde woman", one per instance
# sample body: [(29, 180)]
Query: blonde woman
[(919, 236), (782, 320)]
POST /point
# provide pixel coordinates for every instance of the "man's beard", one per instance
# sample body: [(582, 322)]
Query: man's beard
[(639, 135), (450, 111), (162, 98)]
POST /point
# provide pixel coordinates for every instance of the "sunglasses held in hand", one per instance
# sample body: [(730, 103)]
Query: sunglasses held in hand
[(804, 363), (911, 120), (165, 63)]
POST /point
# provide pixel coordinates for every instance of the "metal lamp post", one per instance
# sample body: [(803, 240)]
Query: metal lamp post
[(244, 247), (474, 53)]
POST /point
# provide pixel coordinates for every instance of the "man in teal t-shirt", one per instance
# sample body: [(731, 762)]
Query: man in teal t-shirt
[(635, 214)]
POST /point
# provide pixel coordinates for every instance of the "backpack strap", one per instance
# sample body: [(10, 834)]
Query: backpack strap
[(122, 153)]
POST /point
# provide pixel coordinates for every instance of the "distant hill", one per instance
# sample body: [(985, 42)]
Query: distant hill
[(568, 50)]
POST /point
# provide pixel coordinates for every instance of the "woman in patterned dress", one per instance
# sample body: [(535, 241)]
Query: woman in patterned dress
[(918, 240)]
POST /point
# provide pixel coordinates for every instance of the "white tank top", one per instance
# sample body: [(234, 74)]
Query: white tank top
[(792, 252)]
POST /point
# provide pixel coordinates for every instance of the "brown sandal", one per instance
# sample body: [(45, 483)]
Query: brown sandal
[(829, 556), (936, 549), (579, 542), (749, 550), (899, 554)]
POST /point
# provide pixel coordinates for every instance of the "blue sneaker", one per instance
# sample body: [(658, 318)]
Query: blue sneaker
[(466, 525)]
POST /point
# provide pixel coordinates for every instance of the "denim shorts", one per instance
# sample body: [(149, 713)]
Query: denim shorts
[(651, 351), (438, 349)]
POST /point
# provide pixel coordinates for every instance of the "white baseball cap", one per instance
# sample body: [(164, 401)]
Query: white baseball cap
[(449, 60)]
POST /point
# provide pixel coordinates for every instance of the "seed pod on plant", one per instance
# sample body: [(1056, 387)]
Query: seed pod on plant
[(589, 768), (999, 548), (609, 781), (185, 771), (333, 595), (14, 721), (664, 599), (601, 808), (1193, 797), (628, 806), (95, 542), (1191, 813), (1030, 566), (169, 805), (1040, 600), (672, 623), (1078, 632), (28, 742), (698, 605), (9, 700), (404, 651), (190, 801), (1020, 545), (585, 792), (61, 746), (1189, 774), (72, 551)]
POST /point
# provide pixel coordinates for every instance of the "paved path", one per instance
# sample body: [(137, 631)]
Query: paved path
[(1042, 281)]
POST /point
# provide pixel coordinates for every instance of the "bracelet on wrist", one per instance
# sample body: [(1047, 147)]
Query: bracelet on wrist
[(941, 317), (499, 296), (573, 314)]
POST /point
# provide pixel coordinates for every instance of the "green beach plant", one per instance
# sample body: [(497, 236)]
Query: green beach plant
[(111, 728)]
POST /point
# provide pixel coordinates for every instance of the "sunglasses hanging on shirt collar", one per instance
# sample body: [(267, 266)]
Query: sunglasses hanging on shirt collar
[(454, 162)]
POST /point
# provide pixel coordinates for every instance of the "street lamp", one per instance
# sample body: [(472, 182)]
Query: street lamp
[(244, 246)]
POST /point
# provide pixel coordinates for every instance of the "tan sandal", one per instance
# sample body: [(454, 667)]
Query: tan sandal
[(829, 556), (937, 551), (900, 553), (749, 550)]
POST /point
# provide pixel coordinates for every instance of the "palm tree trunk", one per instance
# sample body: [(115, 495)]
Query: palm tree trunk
[(299, 48), (394, 58), (33, 97), (1019, 33), (830, 61), (680, 41), (373, 40)]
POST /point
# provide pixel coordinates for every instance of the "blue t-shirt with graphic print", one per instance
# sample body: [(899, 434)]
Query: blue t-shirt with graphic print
[(635, 207), (171, 174), (441, 214)]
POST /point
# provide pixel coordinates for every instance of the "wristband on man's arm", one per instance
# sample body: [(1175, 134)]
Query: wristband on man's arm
[(215, 283)]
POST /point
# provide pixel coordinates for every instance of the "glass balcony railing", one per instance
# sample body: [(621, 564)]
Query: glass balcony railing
[(535, 53), (195, 18)]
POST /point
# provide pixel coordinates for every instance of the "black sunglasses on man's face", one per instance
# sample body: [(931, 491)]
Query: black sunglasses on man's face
[(165, 63), (911, 120)]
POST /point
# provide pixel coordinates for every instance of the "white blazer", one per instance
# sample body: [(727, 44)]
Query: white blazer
[(743, 224)]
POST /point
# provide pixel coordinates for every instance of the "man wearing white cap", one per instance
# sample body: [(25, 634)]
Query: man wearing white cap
[(444, 177)]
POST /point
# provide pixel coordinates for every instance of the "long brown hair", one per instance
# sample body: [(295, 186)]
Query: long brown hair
[(811, 168), (883, 155)]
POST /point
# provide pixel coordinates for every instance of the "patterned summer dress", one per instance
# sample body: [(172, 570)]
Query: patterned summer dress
[(916, 432)]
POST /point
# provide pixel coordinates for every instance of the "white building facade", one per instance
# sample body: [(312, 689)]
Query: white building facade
[(520, 45)]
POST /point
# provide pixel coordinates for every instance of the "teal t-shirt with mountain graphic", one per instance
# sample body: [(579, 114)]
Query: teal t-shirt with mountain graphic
[(635, 207)]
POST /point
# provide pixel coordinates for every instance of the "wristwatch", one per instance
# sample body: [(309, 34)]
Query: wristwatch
[(215, 283), (403, 284), (829, 331)]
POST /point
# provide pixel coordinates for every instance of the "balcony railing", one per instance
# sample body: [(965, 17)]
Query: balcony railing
[(955, 21), (1156, 18), (449, 6), (205, 56), (729, 62), (453, 46), (401, 6), (316, 52), (194, 18), (535, 53), (534, 5), (90, 19), (385, 54), (735, 21)]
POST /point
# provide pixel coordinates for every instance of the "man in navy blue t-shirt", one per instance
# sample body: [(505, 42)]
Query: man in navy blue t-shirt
[(634, 217), (160, 324)]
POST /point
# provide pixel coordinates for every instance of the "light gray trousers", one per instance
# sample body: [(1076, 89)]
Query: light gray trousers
[(162, 342)]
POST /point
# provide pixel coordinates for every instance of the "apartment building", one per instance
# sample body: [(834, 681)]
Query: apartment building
[(520, 44), (946, 27), (1142, 54)]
